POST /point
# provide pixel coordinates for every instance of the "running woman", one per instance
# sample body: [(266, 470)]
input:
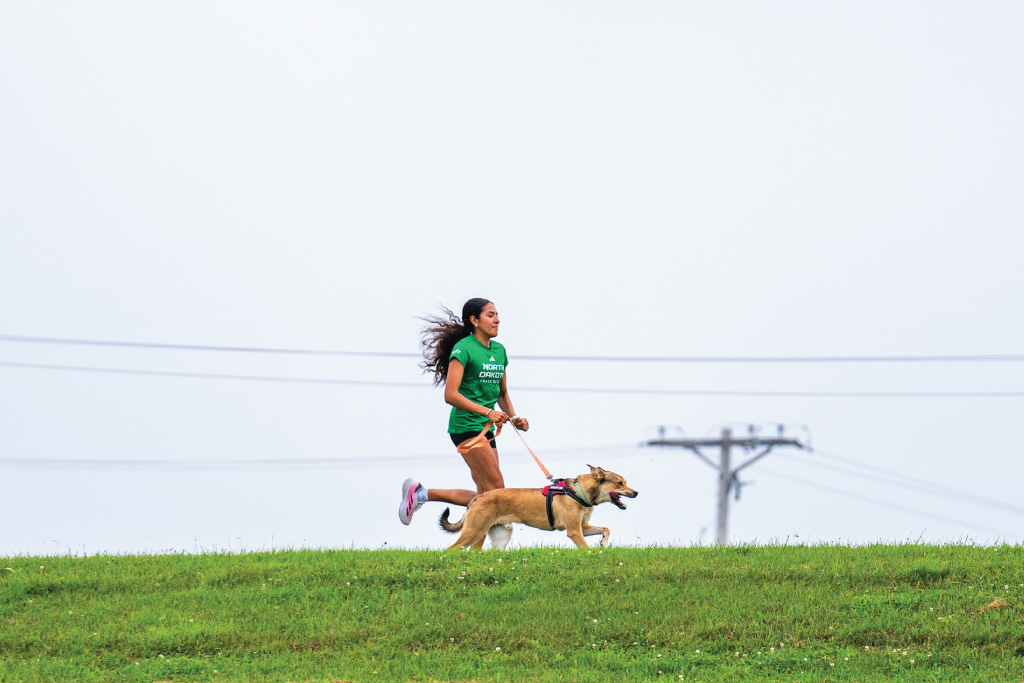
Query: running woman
[(462, 354)]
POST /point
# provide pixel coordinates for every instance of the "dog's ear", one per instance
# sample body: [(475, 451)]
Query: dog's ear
[(597, 472)]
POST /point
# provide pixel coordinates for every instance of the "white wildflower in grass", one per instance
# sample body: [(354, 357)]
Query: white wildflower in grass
[(595, 621), (497, 649), (911, 661)]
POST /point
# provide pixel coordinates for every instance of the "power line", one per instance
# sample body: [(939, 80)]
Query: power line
[(259, 464), (906, 477), (965, 358), (197, 347), (883, 503), (210, 375), (519, 388), (921, 485)]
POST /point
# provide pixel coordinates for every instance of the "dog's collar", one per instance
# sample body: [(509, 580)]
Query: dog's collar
[(581, 493)]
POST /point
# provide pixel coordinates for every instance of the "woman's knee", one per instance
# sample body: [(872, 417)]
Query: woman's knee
[(488, 478), (494, 482)]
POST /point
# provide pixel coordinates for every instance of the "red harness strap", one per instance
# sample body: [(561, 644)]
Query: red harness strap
[(560, 487)]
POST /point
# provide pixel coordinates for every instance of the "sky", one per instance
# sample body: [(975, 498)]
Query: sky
[(693, 183)]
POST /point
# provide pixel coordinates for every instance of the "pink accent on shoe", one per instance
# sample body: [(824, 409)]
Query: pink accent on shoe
[(410, 503)]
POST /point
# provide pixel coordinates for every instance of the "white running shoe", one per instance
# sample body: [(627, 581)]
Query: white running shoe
[(413, 498)]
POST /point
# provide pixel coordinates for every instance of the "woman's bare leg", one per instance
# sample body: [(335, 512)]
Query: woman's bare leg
[(451, 496), (483, 465)]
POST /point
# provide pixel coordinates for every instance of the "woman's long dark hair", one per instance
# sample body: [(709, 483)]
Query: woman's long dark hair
[(441, 334)]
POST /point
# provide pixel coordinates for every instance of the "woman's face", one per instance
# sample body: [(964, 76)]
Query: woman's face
[(488, 321)]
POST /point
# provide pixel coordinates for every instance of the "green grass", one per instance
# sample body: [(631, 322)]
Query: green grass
[(753, 613)]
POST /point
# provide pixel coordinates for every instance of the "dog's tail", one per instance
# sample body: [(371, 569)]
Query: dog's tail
[(448, 526)]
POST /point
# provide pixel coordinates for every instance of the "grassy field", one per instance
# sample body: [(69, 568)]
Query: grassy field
[(757, 613)]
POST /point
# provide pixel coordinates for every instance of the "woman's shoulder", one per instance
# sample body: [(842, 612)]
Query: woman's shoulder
[(464, 343), (462, 347)]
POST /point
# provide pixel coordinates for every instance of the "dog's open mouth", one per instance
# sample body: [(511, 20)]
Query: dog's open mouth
[(614, 495)]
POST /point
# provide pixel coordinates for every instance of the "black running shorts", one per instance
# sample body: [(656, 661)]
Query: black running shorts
[(459, 438)]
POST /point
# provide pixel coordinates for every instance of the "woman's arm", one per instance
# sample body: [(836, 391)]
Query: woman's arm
[(453, 398)]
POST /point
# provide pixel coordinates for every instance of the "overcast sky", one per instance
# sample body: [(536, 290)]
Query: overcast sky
[(642, 179)]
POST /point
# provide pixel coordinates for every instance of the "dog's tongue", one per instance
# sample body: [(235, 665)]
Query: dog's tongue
[(614, 495)]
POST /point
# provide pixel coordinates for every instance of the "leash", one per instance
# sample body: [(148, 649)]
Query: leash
[(481, 439), (555, 487), (535, 458)]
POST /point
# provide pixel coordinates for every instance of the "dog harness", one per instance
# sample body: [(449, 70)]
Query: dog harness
[(562, 487)]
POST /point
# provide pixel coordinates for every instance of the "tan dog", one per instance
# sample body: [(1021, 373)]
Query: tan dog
[(493, 512)]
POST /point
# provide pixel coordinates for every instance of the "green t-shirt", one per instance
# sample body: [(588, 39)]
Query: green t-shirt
[(481, 381)]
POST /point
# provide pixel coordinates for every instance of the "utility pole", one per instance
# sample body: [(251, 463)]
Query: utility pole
[(727, 477)]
